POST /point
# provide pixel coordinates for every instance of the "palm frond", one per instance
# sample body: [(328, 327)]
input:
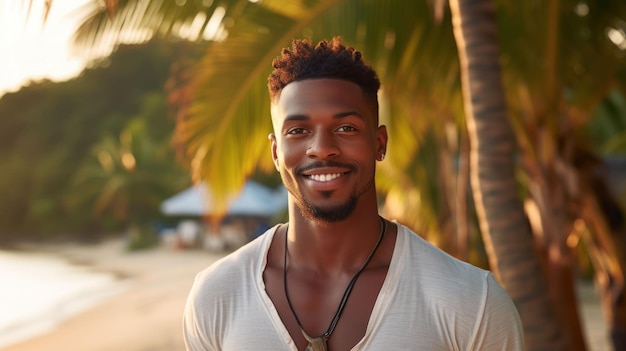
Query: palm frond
[(225, 131), (230, 82)]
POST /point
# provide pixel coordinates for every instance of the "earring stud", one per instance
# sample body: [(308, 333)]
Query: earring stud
[(382, 157)]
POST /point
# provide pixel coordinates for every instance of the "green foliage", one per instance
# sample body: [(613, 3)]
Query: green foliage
[(607, 127), (223, 120), (50, 134), (607, 131)]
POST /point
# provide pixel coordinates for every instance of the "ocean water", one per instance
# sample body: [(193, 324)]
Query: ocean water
[(38, 291)]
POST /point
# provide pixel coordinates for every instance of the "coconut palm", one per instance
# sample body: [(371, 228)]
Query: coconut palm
[(128, 177), (223, 112), (506, 229)]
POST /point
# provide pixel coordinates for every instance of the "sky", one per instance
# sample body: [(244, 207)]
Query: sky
[(31, 50)]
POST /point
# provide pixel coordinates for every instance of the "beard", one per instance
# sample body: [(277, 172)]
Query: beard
[(314, 212), (328, 214)]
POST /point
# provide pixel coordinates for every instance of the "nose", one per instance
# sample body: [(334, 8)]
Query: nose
[(323, 145)]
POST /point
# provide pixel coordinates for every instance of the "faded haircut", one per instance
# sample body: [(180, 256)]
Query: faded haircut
[(327, 59)]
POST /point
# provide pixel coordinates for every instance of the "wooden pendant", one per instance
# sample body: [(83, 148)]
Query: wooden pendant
[(316, 344)]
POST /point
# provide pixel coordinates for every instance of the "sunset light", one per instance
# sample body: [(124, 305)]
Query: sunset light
[(32, 50)]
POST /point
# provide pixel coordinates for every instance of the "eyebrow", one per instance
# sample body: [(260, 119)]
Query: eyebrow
[(298, 117)]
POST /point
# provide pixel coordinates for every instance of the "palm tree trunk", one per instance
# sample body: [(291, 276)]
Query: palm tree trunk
[(504, 225), (462, 223)]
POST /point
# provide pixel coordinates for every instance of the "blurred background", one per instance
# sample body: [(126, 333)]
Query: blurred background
[(133, 145)]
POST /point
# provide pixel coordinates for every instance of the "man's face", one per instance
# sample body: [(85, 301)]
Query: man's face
[(325, 146)]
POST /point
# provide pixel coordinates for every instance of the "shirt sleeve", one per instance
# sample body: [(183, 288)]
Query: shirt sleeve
[(500, 326), (194, 330)]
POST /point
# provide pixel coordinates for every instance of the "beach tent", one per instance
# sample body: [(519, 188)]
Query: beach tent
[(253, 200), (192, 201), (258, 200)]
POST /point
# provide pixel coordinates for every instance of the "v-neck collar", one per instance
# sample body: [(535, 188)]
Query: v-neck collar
[(383, 300)]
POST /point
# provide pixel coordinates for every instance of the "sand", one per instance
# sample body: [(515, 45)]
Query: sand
[(147, 315)]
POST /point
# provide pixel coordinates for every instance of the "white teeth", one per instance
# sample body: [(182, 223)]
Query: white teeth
[(325, 177)]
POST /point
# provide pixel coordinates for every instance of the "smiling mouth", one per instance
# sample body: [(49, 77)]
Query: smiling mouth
[(324, 177)]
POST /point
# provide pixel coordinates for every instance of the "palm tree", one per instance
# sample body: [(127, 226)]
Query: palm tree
[(505, 227), (414, 53), (127, 178)]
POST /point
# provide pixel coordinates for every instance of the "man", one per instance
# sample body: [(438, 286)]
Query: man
[(338, 276)]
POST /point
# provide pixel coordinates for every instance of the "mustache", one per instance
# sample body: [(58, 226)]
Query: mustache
[(321, 164)]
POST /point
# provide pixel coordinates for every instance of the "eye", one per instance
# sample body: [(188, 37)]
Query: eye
[(346, 129), (294, 131)]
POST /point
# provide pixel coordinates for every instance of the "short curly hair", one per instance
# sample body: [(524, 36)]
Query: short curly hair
[(325, 60)]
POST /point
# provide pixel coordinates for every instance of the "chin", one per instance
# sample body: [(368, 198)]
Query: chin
[(329, 214)]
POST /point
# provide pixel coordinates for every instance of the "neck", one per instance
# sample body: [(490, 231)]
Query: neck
[(332, 248)]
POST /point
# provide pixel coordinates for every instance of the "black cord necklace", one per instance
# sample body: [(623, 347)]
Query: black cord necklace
[(320, 343)]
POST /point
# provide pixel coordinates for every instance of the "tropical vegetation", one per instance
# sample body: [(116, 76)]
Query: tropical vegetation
[(559, 73), (91, 155)]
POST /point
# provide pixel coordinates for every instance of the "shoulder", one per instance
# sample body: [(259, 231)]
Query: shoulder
[(457, 290), (458, 302), (441, 273), (435, 263), (234, 270), (219, 291), (446, 282)]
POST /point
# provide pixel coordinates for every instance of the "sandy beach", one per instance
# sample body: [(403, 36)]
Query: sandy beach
[(147, 315)]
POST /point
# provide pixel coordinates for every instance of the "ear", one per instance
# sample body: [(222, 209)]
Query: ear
[(381, 139), (273, 146)]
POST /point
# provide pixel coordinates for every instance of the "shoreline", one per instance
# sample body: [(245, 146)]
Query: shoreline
[(43, 290), (147, 314)]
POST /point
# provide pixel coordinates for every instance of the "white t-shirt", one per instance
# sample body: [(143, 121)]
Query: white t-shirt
[(429, 301)]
